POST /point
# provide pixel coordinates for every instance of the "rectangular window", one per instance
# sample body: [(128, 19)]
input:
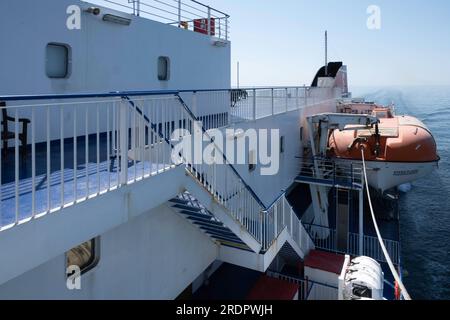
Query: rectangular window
[(163, 68), (252, 160), (85, 256), (57, 61), (281, 144)]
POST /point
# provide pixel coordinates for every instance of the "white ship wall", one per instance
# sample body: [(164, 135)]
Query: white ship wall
[(290, 125), (105, 56), (158, 254), (154, 256), (271, 186)]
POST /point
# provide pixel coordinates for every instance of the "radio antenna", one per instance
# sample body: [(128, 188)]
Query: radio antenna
[(326, 53)]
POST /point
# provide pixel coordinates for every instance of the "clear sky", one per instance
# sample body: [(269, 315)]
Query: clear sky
[(281, 42)]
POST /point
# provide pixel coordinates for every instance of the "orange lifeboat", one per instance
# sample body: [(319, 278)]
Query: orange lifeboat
[(401, 150)]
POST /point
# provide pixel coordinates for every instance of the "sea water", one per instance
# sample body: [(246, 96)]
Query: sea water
[(425, 208)]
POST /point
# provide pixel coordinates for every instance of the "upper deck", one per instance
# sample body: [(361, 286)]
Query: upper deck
[(187, 14), (69, 151), (112, 153), (81, 47)]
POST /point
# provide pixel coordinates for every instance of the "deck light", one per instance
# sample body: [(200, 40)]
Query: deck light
[(220, 43), (94, 10), (117, 19)]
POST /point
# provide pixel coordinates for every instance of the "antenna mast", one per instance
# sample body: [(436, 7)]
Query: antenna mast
[(326, 53)]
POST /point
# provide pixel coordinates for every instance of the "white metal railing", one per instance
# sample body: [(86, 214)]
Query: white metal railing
[(85, 145), (230, 190), (81, 148), (254, 103), (186, 14), (371, 246), (319, 291), (338, 173), (258, 103), (281, 216), (307, 289)]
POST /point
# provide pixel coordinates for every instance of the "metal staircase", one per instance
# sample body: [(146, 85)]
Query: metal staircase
[(189, 207), (113, 155), (221, 204)]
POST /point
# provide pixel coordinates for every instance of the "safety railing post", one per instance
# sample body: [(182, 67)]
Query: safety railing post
[(334, 173), (123, 143), (226, 28), (209, 21), (351, 173), (194, 103), (273, 103), (261, 216), (254, 104), (292, 221), (275, 220), (134, 7), (361, 219), (179, 13), (287, 100), (306, 97)]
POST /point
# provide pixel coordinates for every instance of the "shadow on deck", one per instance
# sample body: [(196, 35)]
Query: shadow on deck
[(78, 176)]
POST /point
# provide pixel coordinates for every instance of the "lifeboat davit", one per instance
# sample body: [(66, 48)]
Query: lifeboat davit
[(402, 151)]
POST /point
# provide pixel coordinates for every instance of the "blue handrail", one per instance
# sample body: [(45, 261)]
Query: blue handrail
[(120, 94), (117, 94), (127, 94)]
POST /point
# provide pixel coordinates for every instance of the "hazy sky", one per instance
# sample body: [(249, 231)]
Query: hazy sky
[(281, 42)]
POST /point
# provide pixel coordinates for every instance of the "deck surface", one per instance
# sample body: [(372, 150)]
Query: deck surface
[(63, 186)]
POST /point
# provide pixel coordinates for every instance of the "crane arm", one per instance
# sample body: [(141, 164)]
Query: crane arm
[(341, 120)]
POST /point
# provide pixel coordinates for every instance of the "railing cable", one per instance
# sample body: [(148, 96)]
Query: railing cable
[(404, 292)]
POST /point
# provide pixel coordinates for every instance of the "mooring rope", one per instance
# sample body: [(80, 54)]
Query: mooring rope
[(397, 278)]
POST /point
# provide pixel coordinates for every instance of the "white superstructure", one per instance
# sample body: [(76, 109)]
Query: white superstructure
[(96, 184)]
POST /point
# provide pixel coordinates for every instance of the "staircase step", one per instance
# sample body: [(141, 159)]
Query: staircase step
[(224, 233), (207, 224), (225, 239), (179, 201), (235, 246), (199, 216), (187, 208)]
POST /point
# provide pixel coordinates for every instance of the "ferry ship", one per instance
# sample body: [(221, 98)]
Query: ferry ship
[(95, 203)]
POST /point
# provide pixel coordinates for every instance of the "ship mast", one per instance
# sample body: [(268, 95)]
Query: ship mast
[(326, 53)]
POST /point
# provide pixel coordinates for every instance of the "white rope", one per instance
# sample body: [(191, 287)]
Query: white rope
[(404, 293)]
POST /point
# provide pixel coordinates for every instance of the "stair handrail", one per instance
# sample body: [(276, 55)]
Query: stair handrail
[(194, 118), (263, 208), (223, 198), (256, 205), (126, 97), (283, 199), (152, 125)]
